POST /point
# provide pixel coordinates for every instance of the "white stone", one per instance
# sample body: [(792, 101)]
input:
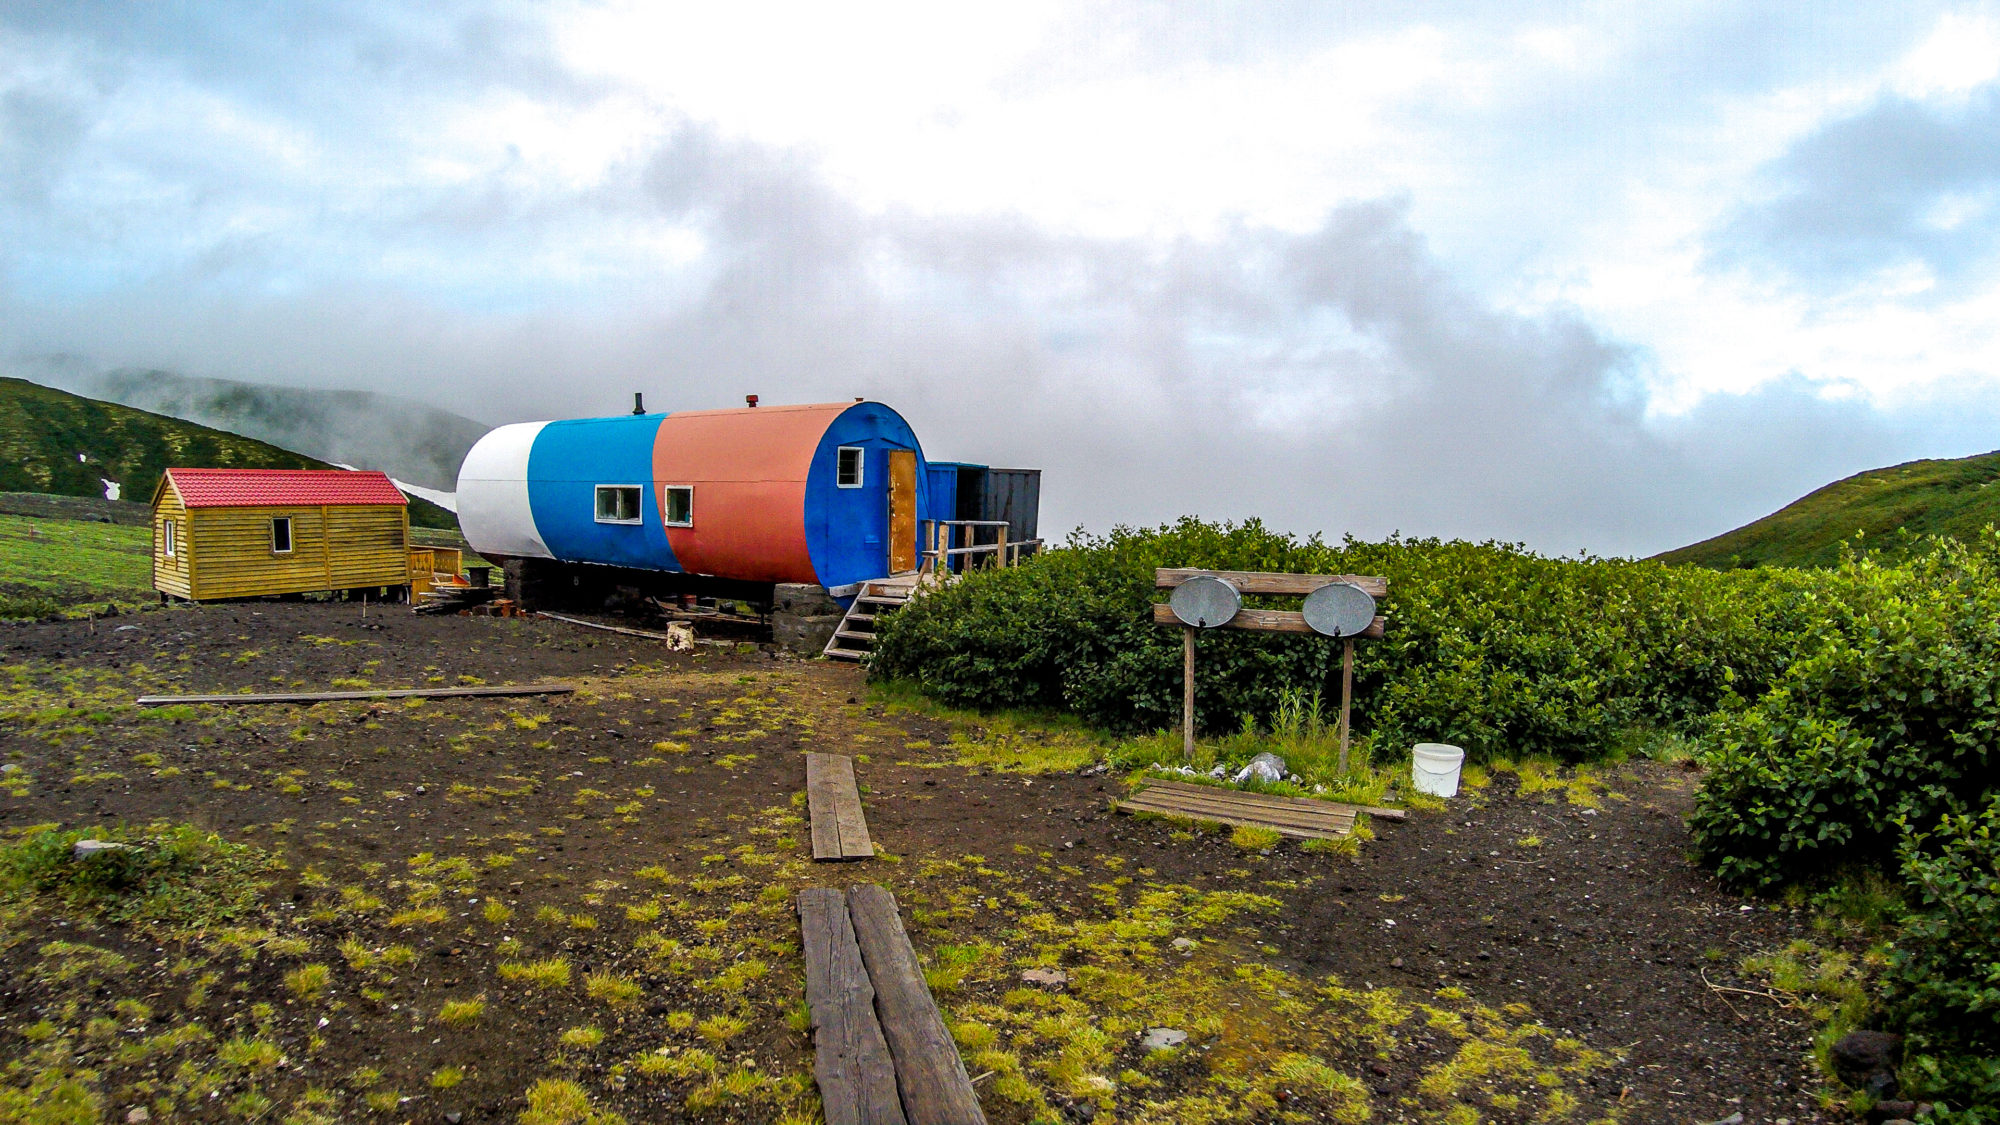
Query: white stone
[(1162, 1038)]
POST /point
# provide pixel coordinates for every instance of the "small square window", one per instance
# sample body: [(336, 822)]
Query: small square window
[(167, 538), (680, 505), (281, 535), (847, 468), (618, 503)]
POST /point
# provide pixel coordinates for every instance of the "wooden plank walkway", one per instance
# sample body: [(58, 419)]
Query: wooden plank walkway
[(1301, 817), (851, 1060), (339, 696), (865, 986), (839, 830)]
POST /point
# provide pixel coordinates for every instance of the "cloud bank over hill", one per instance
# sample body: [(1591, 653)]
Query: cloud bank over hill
[(1580, 285)]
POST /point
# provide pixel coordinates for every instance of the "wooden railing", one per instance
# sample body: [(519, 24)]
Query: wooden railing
[(949, 540)]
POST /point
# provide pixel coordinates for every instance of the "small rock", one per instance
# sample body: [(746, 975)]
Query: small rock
[(1379, 1070), (86, 849), (1186, 944), (1395, 962), (126, 628), (1055, 977), (1866, 1060), (1264, 767), (138, 1115), (1732, 1119), (10, 768), (421, 790), (1162, 1038), (1895, 1107), (454, 1117), (1899, 1121)]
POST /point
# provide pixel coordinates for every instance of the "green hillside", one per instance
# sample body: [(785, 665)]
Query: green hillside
[(1925, 497), (52, 441)]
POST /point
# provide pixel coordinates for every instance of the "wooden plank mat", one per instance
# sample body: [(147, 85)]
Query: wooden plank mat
[(851, 1060), (1190, 787), (1300, 817), (839, 830), (342, 696), (929, 1072)]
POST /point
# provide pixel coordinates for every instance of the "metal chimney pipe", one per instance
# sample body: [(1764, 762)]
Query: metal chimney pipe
[(750, 400), (638, 403)]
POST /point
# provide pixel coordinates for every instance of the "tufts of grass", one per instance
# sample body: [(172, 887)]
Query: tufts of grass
[(307, 981), (553, 972), (617, 991), (460, 1013)]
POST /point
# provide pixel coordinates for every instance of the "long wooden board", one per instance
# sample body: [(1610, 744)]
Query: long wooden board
[(1190, 787), (851, 1060), (929, 1072), (337, 696), (1336, 820), (1258, 582), (1301, 817), (1268, 621), (839, 829)]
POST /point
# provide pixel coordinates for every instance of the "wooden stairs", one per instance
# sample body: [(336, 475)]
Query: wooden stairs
[(855, 638)]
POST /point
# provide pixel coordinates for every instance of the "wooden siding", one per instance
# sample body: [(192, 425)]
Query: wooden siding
[(170, 575), (333, 548)]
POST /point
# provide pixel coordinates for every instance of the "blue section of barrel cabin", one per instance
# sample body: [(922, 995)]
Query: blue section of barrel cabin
[(569, 461), (847, 529)]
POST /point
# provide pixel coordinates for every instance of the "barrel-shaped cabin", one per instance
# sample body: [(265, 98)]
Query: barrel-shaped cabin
[(831, 494)]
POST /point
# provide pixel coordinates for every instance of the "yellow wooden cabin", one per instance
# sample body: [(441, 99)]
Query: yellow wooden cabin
[(243, 533)]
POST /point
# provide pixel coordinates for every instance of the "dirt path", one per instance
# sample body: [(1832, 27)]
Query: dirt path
[(1518, 958)]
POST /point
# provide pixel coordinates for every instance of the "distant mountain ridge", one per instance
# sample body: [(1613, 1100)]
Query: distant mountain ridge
[(1953, 497), (55, 442), (408, 440)]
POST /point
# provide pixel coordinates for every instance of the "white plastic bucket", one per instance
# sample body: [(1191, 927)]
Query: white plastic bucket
[(1434, 768)]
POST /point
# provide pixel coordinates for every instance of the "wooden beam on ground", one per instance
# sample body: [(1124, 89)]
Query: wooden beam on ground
[(1267, 621), (851, 1060), (1258, 582), (929, 1072), (622, 631), (839, 830), (341, 696), (1326, 828), (1184, 786)]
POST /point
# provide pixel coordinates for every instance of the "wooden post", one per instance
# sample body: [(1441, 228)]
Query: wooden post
[(1187, 696), (1346, 696)]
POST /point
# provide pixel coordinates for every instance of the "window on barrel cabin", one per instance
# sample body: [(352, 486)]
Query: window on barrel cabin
[(617, 503), (281, 535), (680, 505), (848, 467)]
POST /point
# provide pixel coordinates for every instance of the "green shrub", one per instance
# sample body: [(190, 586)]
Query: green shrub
[(1489, 646), (174, 877), (1890, 714), (1942, 987)]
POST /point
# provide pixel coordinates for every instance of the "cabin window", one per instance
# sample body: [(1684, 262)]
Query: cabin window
[(167, 538), (617, 503), (847, 472), (680, 505), (281, 535)]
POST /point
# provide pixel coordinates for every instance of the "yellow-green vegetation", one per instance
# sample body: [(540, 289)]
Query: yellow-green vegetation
[(459, 1013)]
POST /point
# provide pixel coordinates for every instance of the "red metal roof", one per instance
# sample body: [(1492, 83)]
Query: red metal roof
[(229, 488)]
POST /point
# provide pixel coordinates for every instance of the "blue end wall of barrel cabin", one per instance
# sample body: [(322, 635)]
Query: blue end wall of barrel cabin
[(569, 460), (847, 529)]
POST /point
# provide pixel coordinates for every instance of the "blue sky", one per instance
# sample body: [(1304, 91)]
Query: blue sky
[(1603, 276)]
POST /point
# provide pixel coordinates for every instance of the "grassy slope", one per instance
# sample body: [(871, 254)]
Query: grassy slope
[(49, 564), (43, 430), (1927, 497)]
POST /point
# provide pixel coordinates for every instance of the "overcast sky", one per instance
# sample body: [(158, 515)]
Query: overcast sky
[(1589, 276)]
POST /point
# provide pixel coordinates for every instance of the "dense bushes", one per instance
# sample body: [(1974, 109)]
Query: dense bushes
[(1489, 647), (1943, 982), (1889, 715)]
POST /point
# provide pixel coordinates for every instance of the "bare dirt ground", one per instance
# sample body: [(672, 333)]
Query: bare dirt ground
[(577, 908)]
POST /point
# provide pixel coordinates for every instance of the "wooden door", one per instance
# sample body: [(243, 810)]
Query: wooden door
[(902, 510)]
